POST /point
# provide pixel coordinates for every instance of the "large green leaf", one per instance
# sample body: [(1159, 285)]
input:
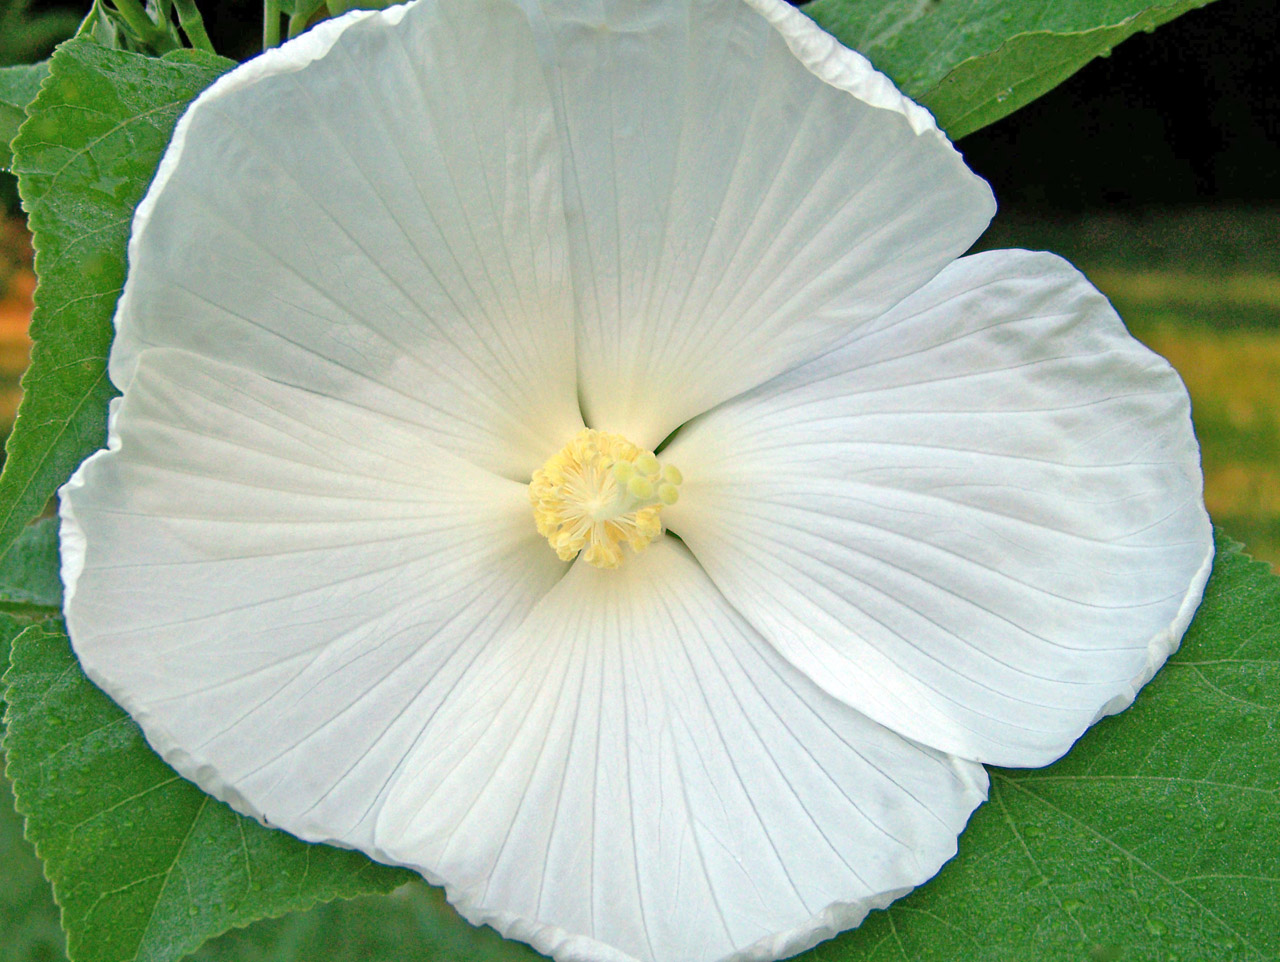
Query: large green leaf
[(413, 924), (28, 922), (30, 586), (416, 923), (28, 918), (18, 87), (29, 573), (84, 159), (1155, 838), (10, 628), (145, 866), (972, 62), (28, 925)]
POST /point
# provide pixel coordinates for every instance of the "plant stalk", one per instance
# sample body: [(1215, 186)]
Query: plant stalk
[(146, 29), (193, 25), (270, 24)]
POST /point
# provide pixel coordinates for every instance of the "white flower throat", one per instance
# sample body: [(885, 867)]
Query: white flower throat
[(599, 492)]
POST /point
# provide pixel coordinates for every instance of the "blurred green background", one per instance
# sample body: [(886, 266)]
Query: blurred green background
[(1156, 171)]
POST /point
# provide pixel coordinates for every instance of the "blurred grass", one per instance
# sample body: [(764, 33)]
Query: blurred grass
[(1203, 242), (1201, 287)]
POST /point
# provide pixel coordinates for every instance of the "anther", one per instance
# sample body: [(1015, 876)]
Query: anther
[(640, 488)]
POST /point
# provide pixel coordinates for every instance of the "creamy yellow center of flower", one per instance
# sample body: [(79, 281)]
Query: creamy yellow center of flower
[(598, 493)]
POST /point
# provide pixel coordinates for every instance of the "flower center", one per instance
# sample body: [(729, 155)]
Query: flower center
[(599, 492)]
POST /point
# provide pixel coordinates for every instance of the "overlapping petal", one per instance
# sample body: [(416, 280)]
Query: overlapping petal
[(282, 587), (733, 208), (980, 520), (379, 651), (375, 212), (635, 773)]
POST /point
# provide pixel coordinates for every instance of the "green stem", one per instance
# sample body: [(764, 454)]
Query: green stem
[(143, 27), (297, 24), (89, 22), (270, 24), (193, 25)]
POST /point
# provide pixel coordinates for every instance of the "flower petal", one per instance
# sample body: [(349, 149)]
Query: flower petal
[(741, 191), (979, 521), (280, 588), (374, 211), (635, 773), (326, 621)]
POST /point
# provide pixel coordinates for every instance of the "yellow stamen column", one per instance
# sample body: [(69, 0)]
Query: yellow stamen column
[(599, 492)]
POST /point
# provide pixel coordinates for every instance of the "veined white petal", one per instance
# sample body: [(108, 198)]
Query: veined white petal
[(281, 588), (740, 193), (368, 650), (375, 212), (636, 774), (979, 521), (839, 66)]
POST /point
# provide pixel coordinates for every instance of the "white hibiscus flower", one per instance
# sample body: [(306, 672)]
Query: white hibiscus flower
[(914, 513)]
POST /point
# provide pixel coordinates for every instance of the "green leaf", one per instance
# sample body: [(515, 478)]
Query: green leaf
[(30, 585), (10, 628), (18, 87), (28, 921), (1153, 839), (84, 160), (145, 866), (416, 923), (976, 61), (29, 572), (28, 917)]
